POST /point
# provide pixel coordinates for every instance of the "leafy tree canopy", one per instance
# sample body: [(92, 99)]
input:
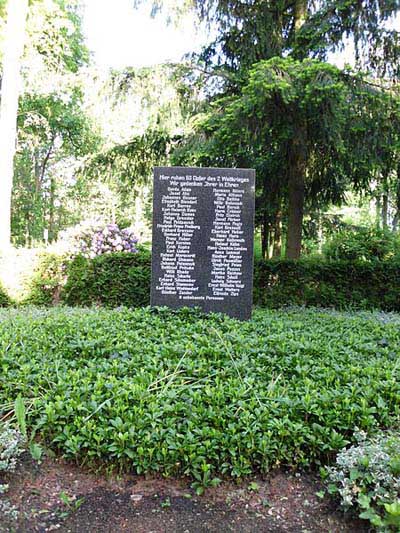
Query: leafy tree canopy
[(54, 38), (252, 30), (349, 131)]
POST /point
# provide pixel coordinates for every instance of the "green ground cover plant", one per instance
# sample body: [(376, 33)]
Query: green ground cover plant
[(183, 393), (366, 477), (11, 447)]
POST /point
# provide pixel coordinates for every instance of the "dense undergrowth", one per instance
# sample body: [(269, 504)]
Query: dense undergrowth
[(183, 393)]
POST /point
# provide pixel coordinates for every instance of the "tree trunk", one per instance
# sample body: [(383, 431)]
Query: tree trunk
[(300, 14), (295, 218), (385, 210), (395, 222), (320, 232), (397, 202), (296, 191), (10, 88), (37, 172), (378, 207), (51, 231), (297, 164), (265, 236), (385, 204), (277, 248)]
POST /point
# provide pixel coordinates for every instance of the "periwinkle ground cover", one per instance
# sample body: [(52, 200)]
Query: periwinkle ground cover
[(183, 393)]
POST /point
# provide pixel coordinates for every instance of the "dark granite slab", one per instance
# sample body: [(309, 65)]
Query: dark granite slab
[(203, 232)]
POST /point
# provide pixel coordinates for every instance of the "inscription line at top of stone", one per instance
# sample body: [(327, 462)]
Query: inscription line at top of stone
[(195, 180)]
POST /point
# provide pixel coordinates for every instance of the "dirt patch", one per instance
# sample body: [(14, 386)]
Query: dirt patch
[(59, 496)]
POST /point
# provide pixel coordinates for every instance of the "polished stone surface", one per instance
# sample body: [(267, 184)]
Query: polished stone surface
[(203, 232)]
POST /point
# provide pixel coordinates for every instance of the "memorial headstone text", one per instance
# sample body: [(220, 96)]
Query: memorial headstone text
[(203, 229)]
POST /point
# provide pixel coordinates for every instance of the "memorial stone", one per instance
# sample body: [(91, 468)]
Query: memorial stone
[(203, 230)]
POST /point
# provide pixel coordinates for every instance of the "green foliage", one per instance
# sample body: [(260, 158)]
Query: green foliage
[(339, 284), (123, 278), (20, 415), (183, 393), (20, 412), (261, 29), (55, 38), (363, 243), (140, 111), (367, 477), (45, 285), (298, 118), (52, 130), (111, 280), (131, 163), (4, 298)]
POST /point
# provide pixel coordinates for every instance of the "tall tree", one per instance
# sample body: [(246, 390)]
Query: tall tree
[(297, 164), (347, 140), (254, 30), (43, 40), (249, 31), (53, 135), (10, 90)]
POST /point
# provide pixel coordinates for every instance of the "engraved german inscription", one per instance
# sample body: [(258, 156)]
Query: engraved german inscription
[(203, 224)]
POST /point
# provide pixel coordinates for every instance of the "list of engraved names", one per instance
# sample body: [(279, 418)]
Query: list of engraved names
[(178, 227), (200, 243)]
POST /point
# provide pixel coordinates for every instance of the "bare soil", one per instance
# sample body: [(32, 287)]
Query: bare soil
[(60, 496)]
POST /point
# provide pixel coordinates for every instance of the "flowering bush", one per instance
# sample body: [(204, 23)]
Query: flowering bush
[(367, 476), (91, 240)]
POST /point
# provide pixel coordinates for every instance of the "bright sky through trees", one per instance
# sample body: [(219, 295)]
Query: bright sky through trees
[(123, 36)]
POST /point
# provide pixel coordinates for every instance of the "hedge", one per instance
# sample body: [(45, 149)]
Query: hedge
[(110, 280), (118, 279), (340, 284), (45, 285)]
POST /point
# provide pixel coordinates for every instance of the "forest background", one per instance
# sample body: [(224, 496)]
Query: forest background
[(265, 92)]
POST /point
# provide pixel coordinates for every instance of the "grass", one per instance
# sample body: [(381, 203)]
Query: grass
[(184, 393)]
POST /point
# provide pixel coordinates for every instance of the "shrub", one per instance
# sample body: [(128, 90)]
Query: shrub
[(363, 244), (339, 284), (4, 298), (180, 392), (91, 240), (45, 285), (124, 279), (111, 280), (367, 477)]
